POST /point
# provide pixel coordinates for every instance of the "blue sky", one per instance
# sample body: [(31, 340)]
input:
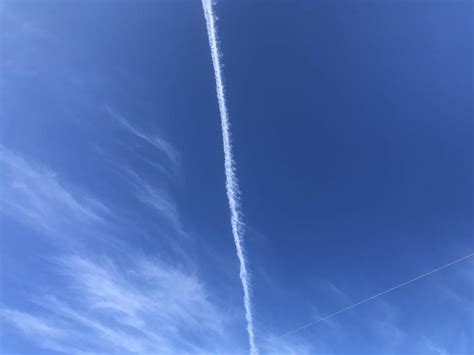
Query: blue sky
[(352, 126)]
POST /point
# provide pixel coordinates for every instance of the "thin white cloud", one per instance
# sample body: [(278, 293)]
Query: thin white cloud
[(118, 302), (380, 294), (113, 338), (31, 325), (232, 185), (171, 176), (432, 348), (336, 291), (383, 322), (49, 334), (157, 199), (159, 143), (272, 344), (32, 193), (144, 306)]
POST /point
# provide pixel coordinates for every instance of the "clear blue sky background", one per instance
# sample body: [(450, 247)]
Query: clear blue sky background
[(353, 134)]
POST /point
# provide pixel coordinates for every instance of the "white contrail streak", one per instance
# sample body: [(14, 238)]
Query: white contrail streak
[(232, 186), (376, 296)]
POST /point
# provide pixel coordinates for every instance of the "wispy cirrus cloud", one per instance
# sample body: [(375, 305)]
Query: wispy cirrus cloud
[(116, 300), (383, 322), (155, 140), (271, 344), (432, 348), (64, 330), (48, 333), (31, 325), (158, 199), (142, 306), (32, 193)]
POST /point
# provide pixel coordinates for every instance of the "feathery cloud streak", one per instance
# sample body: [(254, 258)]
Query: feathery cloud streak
[(232, 186), (34, 194), (156, 141), (157, 199), (143, 306), (115, 303), (377, 295)]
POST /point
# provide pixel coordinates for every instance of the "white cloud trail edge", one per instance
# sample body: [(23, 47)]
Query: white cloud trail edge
[(232, 186), (376, 296)]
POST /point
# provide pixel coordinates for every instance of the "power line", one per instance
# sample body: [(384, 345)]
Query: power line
[(375, 296)]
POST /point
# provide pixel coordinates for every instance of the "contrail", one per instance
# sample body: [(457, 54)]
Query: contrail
[(232, 185), (375, 296)]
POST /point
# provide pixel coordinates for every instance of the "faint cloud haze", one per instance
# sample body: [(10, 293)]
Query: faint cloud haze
[(159, 143)]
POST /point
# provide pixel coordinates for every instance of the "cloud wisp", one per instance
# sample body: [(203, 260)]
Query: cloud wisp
[(115, 301), (232, 186), (34, 194), (144, 306), (156, 141), (50, 334), (158, 200), (377, 295)]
